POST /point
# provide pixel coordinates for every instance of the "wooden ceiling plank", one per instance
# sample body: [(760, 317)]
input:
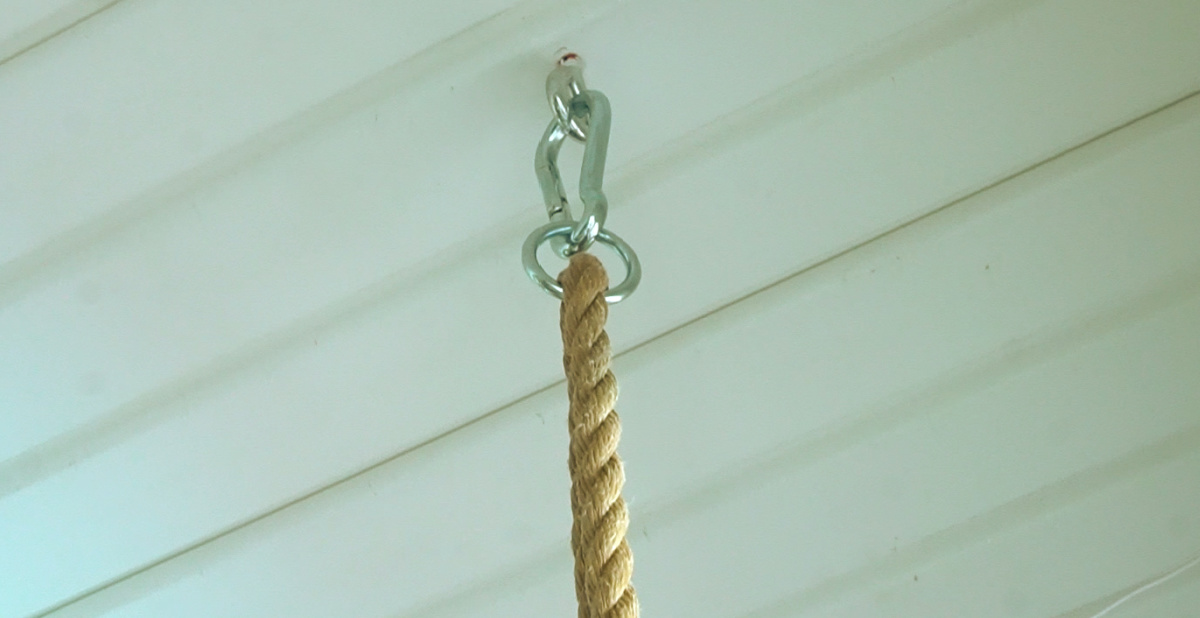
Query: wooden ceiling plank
[(398, 345), (974, 284)]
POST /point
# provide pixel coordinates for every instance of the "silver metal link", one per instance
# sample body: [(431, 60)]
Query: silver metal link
[(591, 174), (563, 84), (615, 294), (585, 115)]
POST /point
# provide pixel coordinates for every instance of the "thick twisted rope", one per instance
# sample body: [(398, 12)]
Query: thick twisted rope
[(603, 560)]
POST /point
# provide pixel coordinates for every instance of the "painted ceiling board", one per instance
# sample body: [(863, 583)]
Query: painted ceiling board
[(205, 478), (216, 268), (150, 89), (206, 288), (1134, 376), (1053, 559), (1109, 357), (295, 233), (1004, 562), (1177, 597), (980, 385), (515, 39)]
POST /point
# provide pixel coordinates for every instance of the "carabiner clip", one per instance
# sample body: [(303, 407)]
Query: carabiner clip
[(595, 109), (585, 115)]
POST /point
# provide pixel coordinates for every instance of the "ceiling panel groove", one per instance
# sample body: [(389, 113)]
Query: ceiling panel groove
[(234, 529), (1137, 593), (1054, 496), (502, 35), (820, 88), (1047, 498), (1181, 286), (141, 413), (628, 181), (1020, 356), (46, 26), (481, 44), (384, 325), (619, 187), (716, 137)]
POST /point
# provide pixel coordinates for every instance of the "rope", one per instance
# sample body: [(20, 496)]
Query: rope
[(603, 560)]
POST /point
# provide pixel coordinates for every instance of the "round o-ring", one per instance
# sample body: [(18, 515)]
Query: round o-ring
[(615, 294)]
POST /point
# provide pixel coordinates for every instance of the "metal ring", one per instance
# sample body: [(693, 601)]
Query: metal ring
[(555, 229)]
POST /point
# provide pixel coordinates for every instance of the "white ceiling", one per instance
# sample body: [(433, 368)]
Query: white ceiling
[(918, 332)]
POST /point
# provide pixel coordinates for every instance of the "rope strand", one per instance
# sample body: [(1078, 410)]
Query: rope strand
[(603, 560)]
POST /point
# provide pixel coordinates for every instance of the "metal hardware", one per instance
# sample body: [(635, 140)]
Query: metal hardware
[(615, 294), (563, 84), (585, 115), (591, 174)]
